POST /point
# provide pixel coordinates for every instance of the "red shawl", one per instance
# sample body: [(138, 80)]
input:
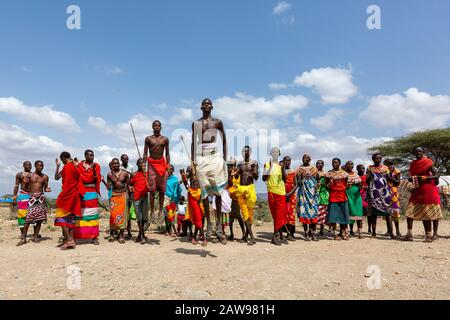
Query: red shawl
[(69, 198), (420, 167), (139, 182), (427, 192), (87, 177)]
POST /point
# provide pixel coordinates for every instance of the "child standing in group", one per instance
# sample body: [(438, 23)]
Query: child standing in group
[(140, 197), (171, 200)]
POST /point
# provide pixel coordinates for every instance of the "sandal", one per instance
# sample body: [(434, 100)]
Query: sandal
[(68, 245), (122, 241), (223, 240), (407, 238), (21, 242), (204, 243), (428, 239), (337, 238), (276, 242)]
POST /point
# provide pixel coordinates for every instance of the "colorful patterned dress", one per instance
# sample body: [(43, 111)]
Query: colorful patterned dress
[(395, 200), (87, 226), (292, 203), (324, 196), (363, 193), (308, 197), (355, 205), (379, 196)]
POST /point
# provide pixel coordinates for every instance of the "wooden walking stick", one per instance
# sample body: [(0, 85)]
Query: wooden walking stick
[(135, 141), (189, 156)]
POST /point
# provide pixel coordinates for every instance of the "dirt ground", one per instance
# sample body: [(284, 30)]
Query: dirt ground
[(168, 268)]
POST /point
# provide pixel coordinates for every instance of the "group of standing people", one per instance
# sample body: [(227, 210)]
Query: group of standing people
[(344, 197), (315, 197)]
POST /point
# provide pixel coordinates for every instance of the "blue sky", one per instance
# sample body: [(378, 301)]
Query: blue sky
[(141, 60)]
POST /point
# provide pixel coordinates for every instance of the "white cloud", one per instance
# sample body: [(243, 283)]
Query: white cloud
[(181, 115), (411, 111), (142, 126), (44, 115), (19, 145), (17, 141), (26, 69), (99, 123), (277, 86), (243, 110), (281, 7), (327, 121), (334, 85)]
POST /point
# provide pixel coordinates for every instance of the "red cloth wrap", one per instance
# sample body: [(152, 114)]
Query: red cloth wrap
[(277, 205), (195, 211), (69, 199), (157, 174)]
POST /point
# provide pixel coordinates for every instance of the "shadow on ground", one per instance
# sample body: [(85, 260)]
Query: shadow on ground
[(199, 252)]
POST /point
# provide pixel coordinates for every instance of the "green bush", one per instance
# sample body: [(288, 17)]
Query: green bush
[(262, 212)]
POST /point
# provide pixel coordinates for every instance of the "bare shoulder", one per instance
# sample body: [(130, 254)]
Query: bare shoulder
[(218, 122)]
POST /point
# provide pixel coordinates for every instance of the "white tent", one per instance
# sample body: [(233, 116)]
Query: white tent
[(444, 185)]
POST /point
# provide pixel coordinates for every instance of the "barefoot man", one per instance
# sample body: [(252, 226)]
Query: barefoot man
[(245, 191), (154, 149), (130, 170), (87, 226), (210, 167), (37, 205), (120, 180), (22, 182), (68, 204)]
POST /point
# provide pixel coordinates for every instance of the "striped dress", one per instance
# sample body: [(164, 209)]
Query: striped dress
[(87, 226), (22, 207), (324, 196), (308, 197)]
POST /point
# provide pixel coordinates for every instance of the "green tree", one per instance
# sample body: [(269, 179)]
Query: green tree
[(436, 144)]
